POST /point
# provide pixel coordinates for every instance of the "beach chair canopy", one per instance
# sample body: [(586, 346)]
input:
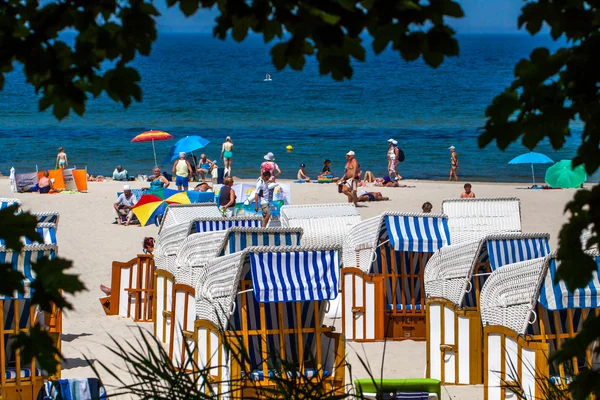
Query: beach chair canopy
[(323, 224), (471, 219), (47, 216), (239, 238), (278, 274), (22, 262), (449, 272), (184, 213), (510, 295), (47, 232), (409, 232), (223, 223), (6, 202)]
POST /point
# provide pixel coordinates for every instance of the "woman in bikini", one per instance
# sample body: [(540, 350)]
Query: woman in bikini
[(227, 155), (62, 161), (453, 163)]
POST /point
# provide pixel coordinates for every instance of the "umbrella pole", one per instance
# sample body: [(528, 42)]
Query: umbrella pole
[(154, 151), (533, 174)]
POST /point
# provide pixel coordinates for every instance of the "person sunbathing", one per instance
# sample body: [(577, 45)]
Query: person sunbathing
[(371, 196), (386, 181)]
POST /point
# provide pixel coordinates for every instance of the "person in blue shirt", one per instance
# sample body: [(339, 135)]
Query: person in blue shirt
[(204, 167)]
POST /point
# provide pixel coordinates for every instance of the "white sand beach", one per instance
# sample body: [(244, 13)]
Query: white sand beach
[(87, 237)]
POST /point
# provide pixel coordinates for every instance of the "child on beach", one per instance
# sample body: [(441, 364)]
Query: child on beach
[(427, 207), (302, 177), (467, 193), (62, 161)]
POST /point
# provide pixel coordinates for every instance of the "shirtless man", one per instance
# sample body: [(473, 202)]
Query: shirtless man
[(350, 182)]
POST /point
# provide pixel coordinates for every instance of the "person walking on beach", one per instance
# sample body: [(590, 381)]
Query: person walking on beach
[(453, 163), (467, 193), (270, 165), (62, 161), (227, 198), (124, 205), (227, 155), (393, 155), (349, 184), (263, 194), (183, 172)]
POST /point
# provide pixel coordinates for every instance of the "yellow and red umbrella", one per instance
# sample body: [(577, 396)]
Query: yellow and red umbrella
[(153, 204), (151, 136)]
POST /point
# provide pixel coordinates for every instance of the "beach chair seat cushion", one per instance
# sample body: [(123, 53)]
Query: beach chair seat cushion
[(259, 375), (409, 307), (11, 372)]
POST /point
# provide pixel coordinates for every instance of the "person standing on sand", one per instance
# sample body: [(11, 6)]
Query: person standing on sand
[(264, 195), (349, 183), (270, 165), (453, 163), (183, 171), (393, 160), (227, 155), (62, 161)]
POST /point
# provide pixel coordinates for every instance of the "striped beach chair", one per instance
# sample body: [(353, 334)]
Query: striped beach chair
[(471, 219), (266, 305), (191, 262), (47, 232), (382, 279), (6, 202), (132, 294), (19, 377), (527, 315), (323, 224), (47, 217), (453, 279), (176, 214)]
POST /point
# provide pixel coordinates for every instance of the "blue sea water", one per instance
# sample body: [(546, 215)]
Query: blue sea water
[(197, 85)]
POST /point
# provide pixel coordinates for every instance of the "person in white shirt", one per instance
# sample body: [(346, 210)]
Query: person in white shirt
[(120, 174), (124, 205), (263, 194)]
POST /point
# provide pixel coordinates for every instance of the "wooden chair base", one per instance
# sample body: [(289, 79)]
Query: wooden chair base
[(402, 327)]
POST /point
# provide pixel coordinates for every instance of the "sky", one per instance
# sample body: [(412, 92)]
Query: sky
[(481, 16)]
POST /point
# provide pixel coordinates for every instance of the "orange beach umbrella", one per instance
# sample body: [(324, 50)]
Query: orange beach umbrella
[(151, 136)]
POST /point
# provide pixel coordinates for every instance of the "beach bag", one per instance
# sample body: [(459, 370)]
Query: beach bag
[(400, 155)]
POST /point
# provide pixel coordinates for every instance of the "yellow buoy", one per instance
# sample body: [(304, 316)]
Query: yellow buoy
[(289, 147)]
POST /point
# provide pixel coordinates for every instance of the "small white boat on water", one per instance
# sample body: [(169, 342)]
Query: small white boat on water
[(267, 77)]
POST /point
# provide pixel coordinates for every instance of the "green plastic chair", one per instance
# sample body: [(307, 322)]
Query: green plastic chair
[(386, 386)]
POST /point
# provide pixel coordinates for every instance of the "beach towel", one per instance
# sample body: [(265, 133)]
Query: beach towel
[(72, 389)]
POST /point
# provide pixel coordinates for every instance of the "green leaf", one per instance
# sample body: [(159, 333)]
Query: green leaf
[(433, 59), (51, 281), (188, 7), (41, 345), (14, 227), (278, 54), (452, 9)]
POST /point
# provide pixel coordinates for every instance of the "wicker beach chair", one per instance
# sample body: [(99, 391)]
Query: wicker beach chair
[(22, 378), (323, 224), (266, 305), (471, 219), (47, 217), (182, 213), (190, 266), (47, 232), (382, 279), (453, 279), (526, 316), (7, 202)]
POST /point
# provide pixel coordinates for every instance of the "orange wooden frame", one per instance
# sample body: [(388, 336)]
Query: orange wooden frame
[(353, 273)]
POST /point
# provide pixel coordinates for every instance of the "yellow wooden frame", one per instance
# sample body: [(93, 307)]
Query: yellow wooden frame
[(168, 276), (26, 388), (144, 310), (188, 290)]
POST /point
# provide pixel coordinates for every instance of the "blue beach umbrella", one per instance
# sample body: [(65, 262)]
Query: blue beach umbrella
[(188, 144), (532, 158)]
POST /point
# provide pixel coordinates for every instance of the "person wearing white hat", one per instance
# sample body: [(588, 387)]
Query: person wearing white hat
[(453, 163), (349, 183), (270, 165), (124, 205), (392, 157)]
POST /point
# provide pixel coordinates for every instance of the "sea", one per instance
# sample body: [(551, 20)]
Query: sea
[(199, 85)]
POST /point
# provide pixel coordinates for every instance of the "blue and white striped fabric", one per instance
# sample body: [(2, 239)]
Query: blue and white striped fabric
[(47, 217), (509, 251), (295, 276), (226, 223), (22, 262), (417, 233), (240, 240), (46, 231), (556, 296), (7, 202)]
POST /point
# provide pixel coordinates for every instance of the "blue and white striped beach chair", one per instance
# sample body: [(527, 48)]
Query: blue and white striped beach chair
[(527, 315), (21, 378), (47, 231), (453, 279), (190, 266), (47, 217), (267, 305), (382, 279), (6, 202)]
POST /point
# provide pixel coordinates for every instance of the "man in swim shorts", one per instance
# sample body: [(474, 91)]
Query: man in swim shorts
[(263, 194), (349, 184)]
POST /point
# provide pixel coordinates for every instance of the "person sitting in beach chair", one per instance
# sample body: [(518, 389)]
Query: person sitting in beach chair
[(45, 183), (204, 167), (124, 205)]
